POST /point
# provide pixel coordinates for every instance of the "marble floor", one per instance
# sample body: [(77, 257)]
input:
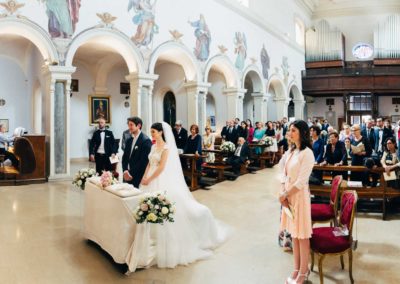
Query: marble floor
[(41, 240)]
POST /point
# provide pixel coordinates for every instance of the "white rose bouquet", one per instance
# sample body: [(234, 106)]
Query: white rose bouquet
[(81, 176), (268, 141), (155, 208), (228, 147)]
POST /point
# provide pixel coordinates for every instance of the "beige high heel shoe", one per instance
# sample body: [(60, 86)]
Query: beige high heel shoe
[(290, 280)]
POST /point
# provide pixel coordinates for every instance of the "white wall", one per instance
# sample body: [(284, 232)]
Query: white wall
[(218, 85), (386, 108), (320, 109)]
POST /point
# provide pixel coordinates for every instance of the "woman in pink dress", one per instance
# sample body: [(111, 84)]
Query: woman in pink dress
[(296, 166)]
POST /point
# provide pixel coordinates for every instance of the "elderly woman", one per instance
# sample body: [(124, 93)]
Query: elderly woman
[(208, 144), (4, 141)]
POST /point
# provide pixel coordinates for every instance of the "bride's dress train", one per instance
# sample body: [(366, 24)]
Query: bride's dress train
[(194, 233)]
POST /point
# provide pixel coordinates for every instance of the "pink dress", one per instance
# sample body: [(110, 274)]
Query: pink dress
[(296, 169)]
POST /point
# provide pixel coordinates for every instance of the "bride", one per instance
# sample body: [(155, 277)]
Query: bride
[(194, 233)]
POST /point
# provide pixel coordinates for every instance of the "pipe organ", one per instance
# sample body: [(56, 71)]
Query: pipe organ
[(387, 38), (324, 43)]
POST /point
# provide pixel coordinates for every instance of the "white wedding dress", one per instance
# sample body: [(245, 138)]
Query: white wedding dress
[(194, 233)]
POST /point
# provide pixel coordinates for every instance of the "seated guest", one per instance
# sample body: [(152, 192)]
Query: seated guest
[(270, 132), (347, 145), (258, 135), (4, 141), (193, 145), (390, 161), (239, 157), (335, 154), (318, 147), (325, 125), (357, 158), (208, 144)]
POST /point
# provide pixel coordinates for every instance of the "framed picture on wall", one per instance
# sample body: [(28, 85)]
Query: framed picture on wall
[(4, 122), (99, 106), (212, 120)]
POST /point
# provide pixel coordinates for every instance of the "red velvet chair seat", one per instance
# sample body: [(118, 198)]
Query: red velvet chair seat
[(322, 212), (324, 241)]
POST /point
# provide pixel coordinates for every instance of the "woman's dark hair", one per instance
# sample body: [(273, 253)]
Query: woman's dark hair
[(196, 128), (250, 125), (257, 123), (334, 134), (267, 125), (244, 122), (316, 129), (304, 133), (158, 126), (391, 139)]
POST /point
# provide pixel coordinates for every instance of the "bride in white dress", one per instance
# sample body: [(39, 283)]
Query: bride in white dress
[(194, 233)]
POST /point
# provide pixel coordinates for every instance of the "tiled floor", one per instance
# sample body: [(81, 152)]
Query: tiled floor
[(41, 240)]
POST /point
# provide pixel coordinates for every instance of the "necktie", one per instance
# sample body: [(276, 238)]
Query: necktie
[(237, 151), (230, 130)]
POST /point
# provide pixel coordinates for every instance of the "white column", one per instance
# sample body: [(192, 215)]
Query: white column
[(281, 107), (141, 97), (234, 99), (299, 108), (260, 106), (58, 83), (197, 103)]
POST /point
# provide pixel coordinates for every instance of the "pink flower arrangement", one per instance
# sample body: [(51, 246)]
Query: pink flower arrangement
[(107, 179)]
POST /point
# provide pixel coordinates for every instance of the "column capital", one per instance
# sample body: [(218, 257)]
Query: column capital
[(100, 90), (238, 92), (59, 73), (197, 87), (142, 79)]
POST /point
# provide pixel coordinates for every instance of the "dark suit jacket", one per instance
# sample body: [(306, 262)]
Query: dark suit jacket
[(318, 149), (233, 136), (386, 134), (325, 127), (139, 158), (110, 146), (180, 139), (371, 136), (224, 131), (339, 155)]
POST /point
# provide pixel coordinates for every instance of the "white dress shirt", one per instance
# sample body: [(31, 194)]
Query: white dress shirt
[(101, 149)]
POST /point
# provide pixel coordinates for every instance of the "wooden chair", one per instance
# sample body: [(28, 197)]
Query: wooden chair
[(324, 242), (23, 150), (323, 213)]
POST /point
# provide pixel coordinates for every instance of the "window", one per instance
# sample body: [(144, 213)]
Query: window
[(360, 102), (244, 2), (299, 30), (363, 51)]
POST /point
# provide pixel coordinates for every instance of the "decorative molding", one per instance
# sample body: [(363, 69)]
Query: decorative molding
[(176, 35), (222, 49), (107, 19), (11, 7)]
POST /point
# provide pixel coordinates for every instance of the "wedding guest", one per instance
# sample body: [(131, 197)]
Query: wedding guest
[(296, 166), (369, 132), (258, 135), (345, 133), (284, 126), (325, 125), (4, 141), (335, 154), (193, 145), (243, 131), (125, 136), (347, 144), (390, 161), (208, 144), (318, 147), (270, 132), (180, 135), (102, 147), (382, 132), (237, 123), (278, 131), (225, 130), (250, 137), (232, 134), (357, 158), (239, 157)]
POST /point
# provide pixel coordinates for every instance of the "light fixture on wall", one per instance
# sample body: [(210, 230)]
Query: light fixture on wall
[(2, 102), (396, 108)]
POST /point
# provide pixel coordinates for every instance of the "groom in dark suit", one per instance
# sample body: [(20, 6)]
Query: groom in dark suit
[(137, 149)]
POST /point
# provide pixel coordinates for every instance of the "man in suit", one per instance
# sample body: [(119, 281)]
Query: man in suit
[(225, 130), (325, 126), (125, 136), (137, 149), (102, 147), (381, 134), (284, 126), (232, 134), (180, 135), (240, 156), (237, 123), (369, 132)]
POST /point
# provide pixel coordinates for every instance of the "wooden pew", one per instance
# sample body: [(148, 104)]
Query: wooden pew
[(192, 172), (382, 191)]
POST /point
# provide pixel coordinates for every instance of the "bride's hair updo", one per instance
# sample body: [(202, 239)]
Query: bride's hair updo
[(158, 126)]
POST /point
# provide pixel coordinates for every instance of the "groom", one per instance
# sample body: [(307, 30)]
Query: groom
[(137, 149)]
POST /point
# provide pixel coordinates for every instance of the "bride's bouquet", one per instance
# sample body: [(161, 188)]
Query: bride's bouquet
[(107, 178), (228, 146), (81, 176), (155, 208)]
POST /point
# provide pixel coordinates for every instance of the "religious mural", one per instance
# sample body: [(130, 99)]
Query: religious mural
[(63, 16), (144, 18), (240, 50), (265, 64), (203, 39)]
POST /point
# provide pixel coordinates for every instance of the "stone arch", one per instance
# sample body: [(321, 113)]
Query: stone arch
[(278, 86), (158, 100), (179, 54), (111, 38), (34, 33), (297, 94), (223, 64), (256, 78)]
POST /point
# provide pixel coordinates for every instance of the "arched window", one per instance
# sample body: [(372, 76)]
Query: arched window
[(169, 108), (363, 51), (299, 31)]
